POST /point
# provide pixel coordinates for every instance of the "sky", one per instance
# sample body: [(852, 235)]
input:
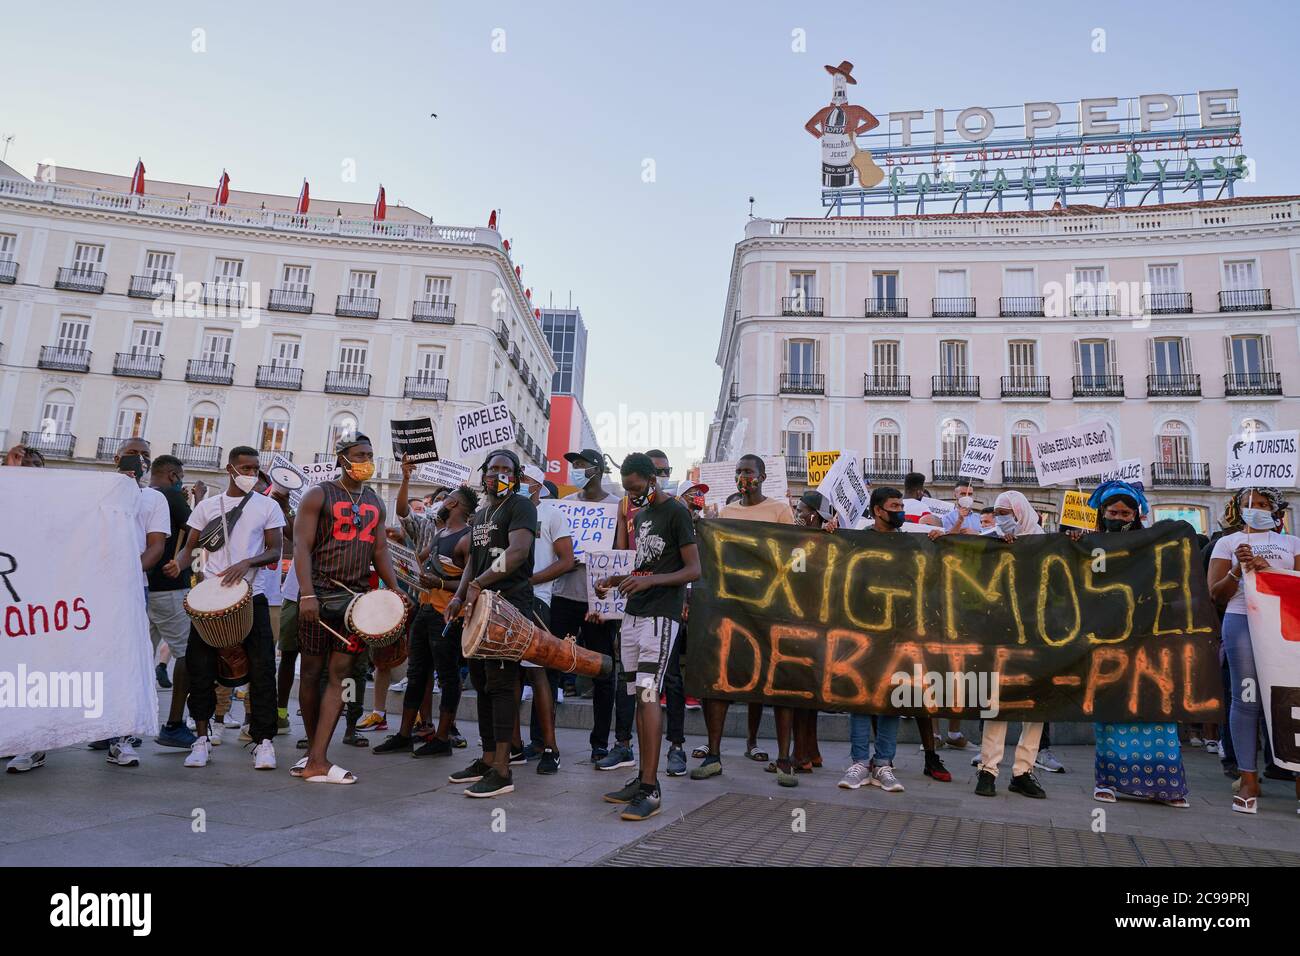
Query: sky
[(621, 140)]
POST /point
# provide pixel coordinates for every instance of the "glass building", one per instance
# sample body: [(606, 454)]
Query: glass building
[(567, 335)]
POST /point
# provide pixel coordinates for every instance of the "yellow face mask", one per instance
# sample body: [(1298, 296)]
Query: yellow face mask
[(360, 470)]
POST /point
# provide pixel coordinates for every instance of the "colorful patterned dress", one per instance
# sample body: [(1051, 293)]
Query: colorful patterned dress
[(1141, 760)]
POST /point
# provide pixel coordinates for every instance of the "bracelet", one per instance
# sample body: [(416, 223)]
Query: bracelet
[(303, 597)]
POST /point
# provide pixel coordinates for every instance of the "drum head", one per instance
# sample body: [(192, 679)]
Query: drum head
[(210, 595), (376, 612), (472, 633), (286, 478)]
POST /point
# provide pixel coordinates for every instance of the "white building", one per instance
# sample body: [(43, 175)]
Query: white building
[(202, 327), (897, 337)]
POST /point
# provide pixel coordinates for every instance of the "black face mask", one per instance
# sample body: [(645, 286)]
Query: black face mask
[(895, 519), (1115, 524), (443, 515)]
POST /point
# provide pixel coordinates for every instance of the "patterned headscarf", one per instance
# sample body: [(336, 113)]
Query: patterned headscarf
[(1111, 489), (1232, 511)]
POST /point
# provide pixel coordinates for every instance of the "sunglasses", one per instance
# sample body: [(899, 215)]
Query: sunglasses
[(663, 472)]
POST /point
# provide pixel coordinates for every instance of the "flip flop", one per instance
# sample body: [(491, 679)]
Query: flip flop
[(760, 756), (1104, 795), (1179, 804), (700, 752), (297, 769), (806, 767), (1245, 804), (352, 740), (336, 774)]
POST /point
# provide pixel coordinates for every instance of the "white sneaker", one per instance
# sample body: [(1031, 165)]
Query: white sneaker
[(1195, 741), (123, 754), (264, 756), (399, 687), (231, 721), (214, 733), (528, 692), (1046, 761), (244, 736), (883, 777), (25, 762), (1213, 747), (200, 751), (855, 776), (559, 695)]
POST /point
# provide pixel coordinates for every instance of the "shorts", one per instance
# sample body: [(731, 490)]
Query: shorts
[(168, 620), (315, 640), (645, 644), (287, 634)]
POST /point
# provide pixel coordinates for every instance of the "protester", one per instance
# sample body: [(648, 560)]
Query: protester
[(168, 585)]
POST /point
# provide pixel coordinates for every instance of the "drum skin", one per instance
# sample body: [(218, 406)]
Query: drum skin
[(359, 610), (224, 615)]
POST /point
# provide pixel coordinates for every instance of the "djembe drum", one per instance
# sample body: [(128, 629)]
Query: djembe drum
[(377, 617), (498, 630)]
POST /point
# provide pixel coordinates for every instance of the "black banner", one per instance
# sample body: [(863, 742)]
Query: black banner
[(1111, 627)]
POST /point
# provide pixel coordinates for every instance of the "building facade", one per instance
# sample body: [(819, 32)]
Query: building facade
[(897, 337), (202, 327), (570, 427)]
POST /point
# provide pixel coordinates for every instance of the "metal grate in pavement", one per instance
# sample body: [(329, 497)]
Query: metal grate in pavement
[(746, 830)]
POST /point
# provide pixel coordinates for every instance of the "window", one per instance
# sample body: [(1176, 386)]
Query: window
[(437, 290), (74, 333), (1094, 359), (275, 430), (885, 442), (352, 357), (56, 413), (1239, 274), (203, 424), (952, 438), (1018, 283), (1175, 442), (798, 439), (803, 286), (87, 257), (1022, 359), (146, 339), (1171, 356), (429, 362), (227, 271), (1249, 354), (1198, 516), (952, 358), (884, 359), (8, 246), (131, 415), (801, 357), (1164, 278), (952, 283), (343, 426), (884, 287), (1022, 434), (296, 279), (1089, 280), (158, 266), (361, 284), (216, 346), (284, 351)]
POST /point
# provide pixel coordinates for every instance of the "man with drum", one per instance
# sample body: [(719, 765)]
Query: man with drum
[(338, 535), (250, 540)]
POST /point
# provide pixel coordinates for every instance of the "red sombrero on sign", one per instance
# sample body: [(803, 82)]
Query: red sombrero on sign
[(845, 69)]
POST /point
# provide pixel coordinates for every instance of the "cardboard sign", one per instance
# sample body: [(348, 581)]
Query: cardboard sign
[(1068, 454), (406, 566), (591, 523), (720, 476), (1262, 458), (1075, 512), (444, 473), (846, 489), (480, 430), (1131, 470), (819, 462), (977, 460), (414, 438), (608, 564)]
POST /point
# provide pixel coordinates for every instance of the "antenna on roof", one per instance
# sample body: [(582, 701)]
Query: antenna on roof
[(8, 138)]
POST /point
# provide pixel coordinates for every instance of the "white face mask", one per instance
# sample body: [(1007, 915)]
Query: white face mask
[(1258, 519), (1007, 524), (245, 483), (966, 501)]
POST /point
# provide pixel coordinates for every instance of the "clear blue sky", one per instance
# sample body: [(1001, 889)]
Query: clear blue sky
[(555, 129)]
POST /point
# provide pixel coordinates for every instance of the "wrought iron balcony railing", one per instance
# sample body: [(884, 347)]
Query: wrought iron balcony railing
[(1026, 386), (58, 359), (953, 307), (1165, 386), (1097, 386), (357, 306), (1246, 300), (801, 305), (884, 385), (887, 307), (1019, 473), (1192, 474), (291, 300), (51, 444), (1167, 303), (151, 287), (348, 383), (198, 456), (955, 386), (279, 376), (1021, 306), (1252, 383), (80, 280), (1092, 305), (887, 468), (138, 365), (425, 388), (209, 373), (439, 313), (803, 383)]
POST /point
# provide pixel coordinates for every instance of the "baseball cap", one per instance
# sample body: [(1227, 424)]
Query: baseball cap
[(588, 455), (534, 475)]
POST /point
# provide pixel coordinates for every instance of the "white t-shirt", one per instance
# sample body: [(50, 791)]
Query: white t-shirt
[(1279, 550), (247, 537), (552, 526), (573, 585), (289, 592), (152, 515)]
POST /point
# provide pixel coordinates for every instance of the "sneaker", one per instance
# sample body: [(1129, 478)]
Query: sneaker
[(617, 759), (958, 742), (491, 784), (25, 762), (858, 774), (532, 751), (518, 756), (625, 794), (244, 736), (393, 743), (676, 762), (98, 744), (457, 741), (785, 775), (1046, 760), (123, 754), (711, 767), (985, 784), (1195, 741), (598, 754), (693, 703), (160, 673), (231, 721), (175, 735), (399, 687), (264, 756), (433, 748), (883, 777), (373, 721), (643, 806), (1027, 784), (550, 762), (663, 700), (214, 733), (528, 692), (282, 724), (199, 753), (471, 774), (1213, 747), (934, 768)]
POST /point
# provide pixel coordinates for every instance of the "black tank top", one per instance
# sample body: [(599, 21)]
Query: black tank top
[(345, 538), (445, 546)]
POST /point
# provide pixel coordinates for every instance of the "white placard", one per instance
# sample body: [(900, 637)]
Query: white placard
[(846, 489), (1265, 459), (720, 476), (444, 473), (1130, 470), (1068, 454), (591, 523), (1272, 607), (608, 564), (75, 659), (480, 430), (977, 460)]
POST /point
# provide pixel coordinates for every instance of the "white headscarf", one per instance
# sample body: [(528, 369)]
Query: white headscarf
[(1024, 513)]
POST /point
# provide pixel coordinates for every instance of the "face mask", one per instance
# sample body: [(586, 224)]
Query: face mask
[(965, 501), (895, 519), (1258, 519), (1115, 524), (498, 485), (245, 483), (177, 485), (746, 484), (1007, 524), (594, 476), (643, 499), (443, 515), (359, 470)]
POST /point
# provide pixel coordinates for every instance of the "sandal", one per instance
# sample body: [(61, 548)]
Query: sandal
[(805, 767), (700, 752), (336, 774), (1180, 803), (297, 769), (354, 740), (1245, 804), (817, 760), (1104, 795), (760, 756)]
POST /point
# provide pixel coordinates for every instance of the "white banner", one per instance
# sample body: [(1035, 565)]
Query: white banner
[(1273, 608), (76, 664), (480, 430), (444, 473), (591, 523), (1262, 458), (1068, 454), (1130, 470), (977, 461), (846, 489), (608, 564), (720, 476)]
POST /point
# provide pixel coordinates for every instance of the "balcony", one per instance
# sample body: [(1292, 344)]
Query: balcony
[(142, 365), (106, 449), (514, 356), (209, 373), (1019, 473), (877, 386), (1020, 306), (1246, 300), (291, 300), (546, 408), (1092, 305), (439, 313), (80, 280), (1026, 386), (885, 469), (266, 456), (733, 395), (198, 456), (945, 470), (1173, 386), (796, 468), (955, 386), (357, 306), (1252, 383), (348, 383), (889, 307), (8, 271), (1097, 386), (151, 287), (225, 295), (801, 305), (1186, 474), (802, 383), (1167, 303), (59, 359), (279, 376), (503, 334), (961, 307), (425, 388), (51, 445)]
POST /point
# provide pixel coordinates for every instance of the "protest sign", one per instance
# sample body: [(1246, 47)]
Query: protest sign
[(1130, 469), (720, 476), (480, 430), (608, 564), (414, 439), (591, 523), (819, 462), (846, 489), (1068, 454), (1273, 608), (1262, 458), (1075, 512), (444, 473), (977, 460), (406, 566)]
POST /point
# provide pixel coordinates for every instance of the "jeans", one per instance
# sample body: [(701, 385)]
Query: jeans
[(675, 691), (860, 739), (431, 652), (496, 683), (609, 697), (259, 645), (1243, 716)]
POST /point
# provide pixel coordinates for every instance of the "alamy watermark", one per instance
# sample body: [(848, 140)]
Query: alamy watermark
[(946, 690), (58, 690)]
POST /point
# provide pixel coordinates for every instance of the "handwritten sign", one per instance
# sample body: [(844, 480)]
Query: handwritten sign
[(1068, 454), (846, 489), (819, 462), (720, 476), (406, 566), (1075, 512), (591, 523), (977, 460), (443, 473), (414, 438), (1131, 470), (608, 564), (1262, 458), (480, 430)]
